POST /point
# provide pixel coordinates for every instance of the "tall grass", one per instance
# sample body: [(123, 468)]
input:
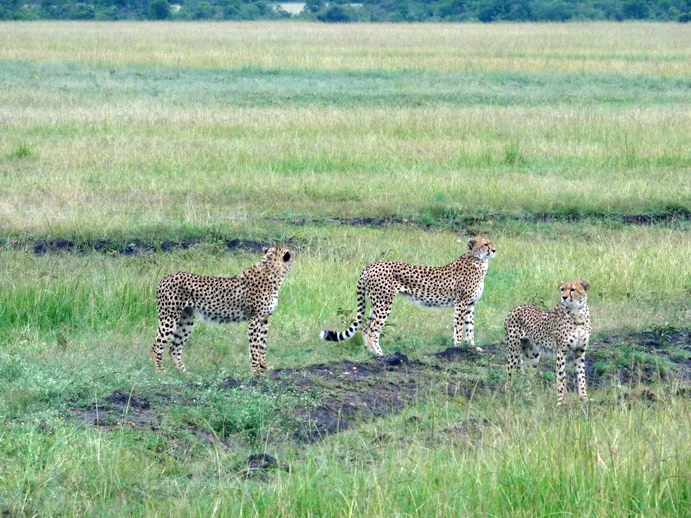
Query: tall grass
[(79, 297), (495, 456), (631, 48), (225, 130), (120, 118)]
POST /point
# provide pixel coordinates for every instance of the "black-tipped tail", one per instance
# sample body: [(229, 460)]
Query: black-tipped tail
[(329, 336)]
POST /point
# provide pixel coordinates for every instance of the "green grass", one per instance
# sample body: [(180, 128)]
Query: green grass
[(544, 137), (495, 456)]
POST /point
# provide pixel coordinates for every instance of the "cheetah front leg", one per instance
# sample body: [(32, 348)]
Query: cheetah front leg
[(464, 313), (458, 314), (561, 375), (257, 329), (580, 372)]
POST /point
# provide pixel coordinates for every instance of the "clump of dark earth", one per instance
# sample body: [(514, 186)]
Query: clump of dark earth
[(261, 464), (456, 354), (460, 221), (120, 407), (124, 399), (134, 247), (641, 394), (348, 392), (467, 432)]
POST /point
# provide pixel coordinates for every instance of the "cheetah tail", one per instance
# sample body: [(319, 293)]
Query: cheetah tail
[(333, 336)]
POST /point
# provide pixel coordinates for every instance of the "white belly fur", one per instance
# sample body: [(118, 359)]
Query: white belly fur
[(424, 304)]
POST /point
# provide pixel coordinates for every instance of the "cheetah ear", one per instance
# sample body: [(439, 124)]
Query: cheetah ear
[(264, 250), (586, 285), (471, 243), (286, 257)]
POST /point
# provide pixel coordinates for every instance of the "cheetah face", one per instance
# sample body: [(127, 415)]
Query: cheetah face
[(573, 293), (482, 248), (278, 256)]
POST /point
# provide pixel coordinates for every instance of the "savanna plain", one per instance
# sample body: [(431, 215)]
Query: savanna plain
[(133, 150)]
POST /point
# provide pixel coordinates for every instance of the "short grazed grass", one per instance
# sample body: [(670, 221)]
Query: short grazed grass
[(555, 140)]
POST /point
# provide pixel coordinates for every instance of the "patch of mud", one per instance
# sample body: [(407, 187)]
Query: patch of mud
[(468, 432), (672, 345), (352, 391), (462, 223), (119, 408), (637, 395), (357, 222), (260, 465), (455, 354), (130, 248), (626, 219), (348, 392)]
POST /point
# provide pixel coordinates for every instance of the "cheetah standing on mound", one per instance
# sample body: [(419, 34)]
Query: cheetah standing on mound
[(251, 295), (531, 330), (458, 284)]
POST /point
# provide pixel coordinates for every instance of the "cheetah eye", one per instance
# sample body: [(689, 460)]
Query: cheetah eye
[(572, 289), (286, 257)]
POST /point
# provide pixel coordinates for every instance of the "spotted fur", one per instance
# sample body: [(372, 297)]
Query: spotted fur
[(458, 285), (531, 331), (251, 296)]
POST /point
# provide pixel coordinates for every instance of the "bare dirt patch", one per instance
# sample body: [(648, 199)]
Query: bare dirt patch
[(131, 247), (348, 392), (465, 223)]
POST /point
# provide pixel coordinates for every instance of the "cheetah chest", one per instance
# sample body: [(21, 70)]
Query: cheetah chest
[(273, 303), (577, 338), (475, 296)]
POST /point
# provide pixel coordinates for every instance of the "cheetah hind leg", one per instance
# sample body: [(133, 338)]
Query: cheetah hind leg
[(180, 336), (531, 354), (372, 330), (166, 328), (521, 387), (368, 340)]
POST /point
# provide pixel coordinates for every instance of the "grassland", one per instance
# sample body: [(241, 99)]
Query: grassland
[(351, 144)]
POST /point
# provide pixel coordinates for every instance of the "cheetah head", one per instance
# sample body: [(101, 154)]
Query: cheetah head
[(482, 248), (573, 293), (279, 257)]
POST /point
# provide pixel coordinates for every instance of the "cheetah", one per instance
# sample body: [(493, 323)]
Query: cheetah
[(458, 285), (251, 296), (531, 331)]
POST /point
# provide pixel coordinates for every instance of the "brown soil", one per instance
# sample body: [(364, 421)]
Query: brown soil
[(348, 392), (135, 247)]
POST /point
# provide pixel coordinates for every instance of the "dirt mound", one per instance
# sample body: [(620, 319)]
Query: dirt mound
[(347, 392), (260, 465), (352, 391), (130, 247)]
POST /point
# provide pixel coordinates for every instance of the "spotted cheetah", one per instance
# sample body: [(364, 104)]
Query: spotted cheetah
[(251, 295), (531, 331), (458, 284)]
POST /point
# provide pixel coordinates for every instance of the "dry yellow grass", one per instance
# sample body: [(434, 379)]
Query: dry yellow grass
[(627, 48)]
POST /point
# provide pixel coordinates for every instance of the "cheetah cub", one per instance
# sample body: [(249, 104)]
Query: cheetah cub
[(251, 296), (458, 285), (531, 331)]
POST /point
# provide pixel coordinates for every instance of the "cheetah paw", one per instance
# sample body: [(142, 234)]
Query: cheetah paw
[(478, 349)]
